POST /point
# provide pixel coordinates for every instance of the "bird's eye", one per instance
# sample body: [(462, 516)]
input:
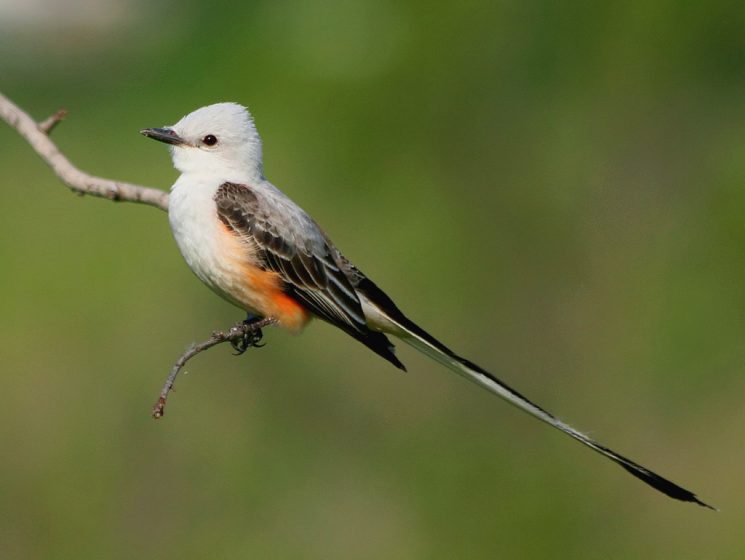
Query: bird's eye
[(209, 140)]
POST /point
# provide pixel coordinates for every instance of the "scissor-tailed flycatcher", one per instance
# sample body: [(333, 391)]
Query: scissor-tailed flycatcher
[(257, 249)]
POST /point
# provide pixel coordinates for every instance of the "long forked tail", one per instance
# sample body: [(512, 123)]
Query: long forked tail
[(422, 341), (392, 320)]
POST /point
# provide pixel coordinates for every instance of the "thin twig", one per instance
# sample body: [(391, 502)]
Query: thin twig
[(48, 124), (236, 332), (36, 135)]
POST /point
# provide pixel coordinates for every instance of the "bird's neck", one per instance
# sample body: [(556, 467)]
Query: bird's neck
[(213, 178), (199, 165)]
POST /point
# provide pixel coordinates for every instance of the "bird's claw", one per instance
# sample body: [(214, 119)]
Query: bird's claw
[(248, 339)]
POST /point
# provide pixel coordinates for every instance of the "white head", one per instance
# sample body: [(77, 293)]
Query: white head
[(216, 139)]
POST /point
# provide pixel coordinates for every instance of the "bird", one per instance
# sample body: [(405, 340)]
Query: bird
[(256, 248)]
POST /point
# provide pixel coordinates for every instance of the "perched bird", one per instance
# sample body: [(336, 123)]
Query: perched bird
[(259, 250)]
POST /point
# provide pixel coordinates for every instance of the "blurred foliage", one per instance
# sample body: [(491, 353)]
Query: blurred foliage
[(556, 190)]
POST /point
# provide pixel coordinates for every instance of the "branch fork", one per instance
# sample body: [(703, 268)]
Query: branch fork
[(37, 135)]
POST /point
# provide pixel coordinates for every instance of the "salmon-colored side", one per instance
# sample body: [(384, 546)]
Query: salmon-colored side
[(275, 303), (258, 290)]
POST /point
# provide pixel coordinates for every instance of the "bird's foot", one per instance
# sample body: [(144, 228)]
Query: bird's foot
[(250, 338)]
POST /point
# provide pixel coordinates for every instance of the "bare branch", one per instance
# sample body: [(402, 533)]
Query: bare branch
[(36, 135), (235, 333)]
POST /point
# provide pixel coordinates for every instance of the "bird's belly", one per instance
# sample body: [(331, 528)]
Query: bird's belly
[(218, 260)]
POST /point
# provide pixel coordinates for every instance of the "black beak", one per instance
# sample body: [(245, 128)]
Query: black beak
[(166, 135)]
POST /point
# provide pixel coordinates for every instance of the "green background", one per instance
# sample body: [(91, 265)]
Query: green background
[(556, 190)]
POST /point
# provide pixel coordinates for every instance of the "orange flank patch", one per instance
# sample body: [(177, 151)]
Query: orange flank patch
[(262, 292), (290, 313), (256, 290)]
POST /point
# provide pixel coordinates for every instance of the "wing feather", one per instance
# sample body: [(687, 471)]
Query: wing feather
[(293, 246)]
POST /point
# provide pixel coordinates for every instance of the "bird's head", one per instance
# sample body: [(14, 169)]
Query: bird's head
[(215, 139)]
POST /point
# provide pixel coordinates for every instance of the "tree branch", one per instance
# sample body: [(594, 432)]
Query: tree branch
[(236, 333), (36, 134)]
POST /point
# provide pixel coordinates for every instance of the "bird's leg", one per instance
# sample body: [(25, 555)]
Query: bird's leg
[(250, 338)]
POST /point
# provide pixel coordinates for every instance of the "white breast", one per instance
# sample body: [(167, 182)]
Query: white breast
[(199, 233)]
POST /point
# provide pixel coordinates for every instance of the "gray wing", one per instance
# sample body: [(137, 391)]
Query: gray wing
[(291, 244)]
